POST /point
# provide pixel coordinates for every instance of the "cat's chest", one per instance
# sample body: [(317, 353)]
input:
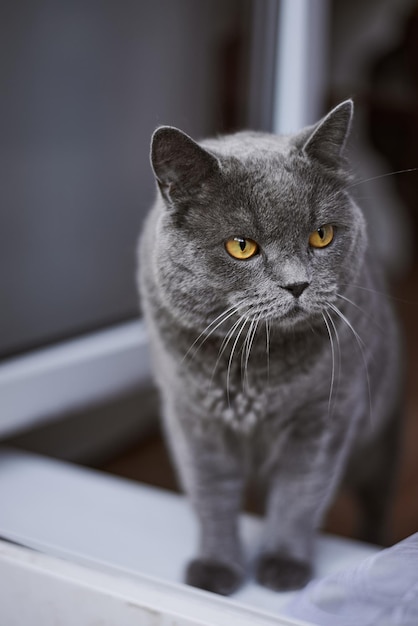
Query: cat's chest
[(244, 390), (238, 407)]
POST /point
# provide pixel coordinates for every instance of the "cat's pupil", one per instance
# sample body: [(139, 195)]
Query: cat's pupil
[(242, 244), (321, 232)]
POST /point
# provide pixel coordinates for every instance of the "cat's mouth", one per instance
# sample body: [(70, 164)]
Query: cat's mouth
[(273, 313), (291, 313), (295, 313), (296, 310)]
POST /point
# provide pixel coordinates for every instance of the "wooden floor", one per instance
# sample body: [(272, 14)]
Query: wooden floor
[(149, 462)]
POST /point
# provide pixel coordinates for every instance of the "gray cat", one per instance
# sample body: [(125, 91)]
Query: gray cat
[(274, 348)]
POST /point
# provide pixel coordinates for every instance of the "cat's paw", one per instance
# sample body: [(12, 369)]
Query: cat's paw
[(282, 573), (214, 576)]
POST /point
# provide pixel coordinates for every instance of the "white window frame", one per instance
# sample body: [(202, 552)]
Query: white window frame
[(43, 385), (58, 591)]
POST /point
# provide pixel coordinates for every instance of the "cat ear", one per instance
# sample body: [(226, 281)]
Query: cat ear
[(327, 140), (180, 165)]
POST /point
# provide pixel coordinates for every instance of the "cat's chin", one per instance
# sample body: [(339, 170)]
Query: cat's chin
[(296, 318)]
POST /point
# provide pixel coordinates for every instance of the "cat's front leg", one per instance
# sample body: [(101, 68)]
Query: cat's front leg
[(300, 489), (211, 472), (215, 493)]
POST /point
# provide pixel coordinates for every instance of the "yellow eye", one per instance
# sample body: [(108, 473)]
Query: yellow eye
[(322, 236), (241, 248)]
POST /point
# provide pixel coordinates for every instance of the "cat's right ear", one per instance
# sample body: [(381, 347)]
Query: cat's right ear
[(180, 165), (326, 141)]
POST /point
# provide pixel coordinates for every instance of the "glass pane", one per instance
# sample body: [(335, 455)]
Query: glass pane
[(83, 86)]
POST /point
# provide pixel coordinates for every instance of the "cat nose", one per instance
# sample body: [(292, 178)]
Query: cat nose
[(296, 289)]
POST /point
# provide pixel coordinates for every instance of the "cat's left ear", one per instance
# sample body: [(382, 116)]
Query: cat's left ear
[(327, 140), (181, 166)]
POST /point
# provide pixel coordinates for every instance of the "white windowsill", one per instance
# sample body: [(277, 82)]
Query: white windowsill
[(43, 385), (108, 544)]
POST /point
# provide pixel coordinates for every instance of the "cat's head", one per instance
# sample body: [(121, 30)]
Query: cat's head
[(255, 221)]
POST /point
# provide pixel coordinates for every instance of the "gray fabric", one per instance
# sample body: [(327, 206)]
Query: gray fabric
[(382, 590)]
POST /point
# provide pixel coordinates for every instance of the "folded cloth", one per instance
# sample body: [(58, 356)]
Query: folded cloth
[(380, 591)]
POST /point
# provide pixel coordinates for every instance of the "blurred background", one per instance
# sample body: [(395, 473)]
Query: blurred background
[(83, 85)]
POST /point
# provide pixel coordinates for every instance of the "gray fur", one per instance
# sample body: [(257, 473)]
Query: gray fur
[(294, 394)]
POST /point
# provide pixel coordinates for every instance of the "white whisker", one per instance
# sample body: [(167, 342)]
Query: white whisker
[(376, 292), (268, 349), (244, 355), (225, 343), (231, 357), (368, 180), (229, 336), (252, 333), (338, 350), (333, 362), (225, 315), (360, 309), (361, 346), (344, 318)]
